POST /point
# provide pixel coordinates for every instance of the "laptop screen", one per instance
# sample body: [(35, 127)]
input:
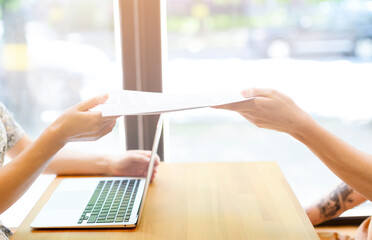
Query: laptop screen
[(154, 150)]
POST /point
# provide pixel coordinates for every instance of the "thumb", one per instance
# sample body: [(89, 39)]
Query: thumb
[(247, 93), (91, 103)]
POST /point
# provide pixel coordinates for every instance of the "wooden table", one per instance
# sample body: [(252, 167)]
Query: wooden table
[(239, 200)]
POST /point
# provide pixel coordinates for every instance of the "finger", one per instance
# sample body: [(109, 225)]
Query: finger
[(237, 105), (137, 154), (94, 133), (110, 126), (153, 176), (105, 124), (110, 118), (258, 92), (148, 158), (107, 128), (94, 123), (146, 153), (108, 121), (91, 103), (157, 160)]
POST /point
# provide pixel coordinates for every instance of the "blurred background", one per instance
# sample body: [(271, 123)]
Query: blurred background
[(54, 53), (318, 52)]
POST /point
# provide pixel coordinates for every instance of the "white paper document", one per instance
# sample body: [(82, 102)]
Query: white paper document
[(144, 103)]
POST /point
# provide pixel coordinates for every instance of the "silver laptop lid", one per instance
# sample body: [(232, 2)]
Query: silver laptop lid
[(154, 150)]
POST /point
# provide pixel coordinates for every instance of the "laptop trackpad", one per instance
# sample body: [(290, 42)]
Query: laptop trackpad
[(67, 200)]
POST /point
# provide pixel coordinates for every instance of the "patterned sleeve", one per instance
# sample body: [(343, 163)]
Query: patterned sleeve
[(13, 130)]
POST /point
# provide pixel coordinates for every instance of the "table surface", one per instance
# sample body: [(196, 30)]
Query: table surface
[(235, 200)]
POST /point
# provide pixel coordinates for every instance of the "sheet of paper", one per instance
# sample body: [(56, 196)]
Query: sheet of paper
[(143, 103)]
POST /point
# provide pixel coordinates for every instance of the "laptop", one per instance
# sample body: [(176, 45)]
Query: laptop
[(98, 202)]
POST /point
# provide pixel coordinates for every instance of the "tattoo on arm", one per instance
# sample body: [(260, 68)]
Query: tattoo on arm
[(345, 191), (330, 206)]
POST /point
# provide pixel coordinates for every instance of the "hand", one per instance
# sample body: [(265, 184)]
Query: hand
[(270, 109), (132, 163), (79, 124)]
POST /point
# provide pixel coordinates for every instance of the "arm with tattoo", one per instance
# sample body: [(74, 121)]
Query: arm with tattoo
[(334, 204)]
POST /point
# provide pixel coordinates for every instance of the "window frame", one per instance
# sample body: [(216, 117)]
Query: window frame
[(141, 53)]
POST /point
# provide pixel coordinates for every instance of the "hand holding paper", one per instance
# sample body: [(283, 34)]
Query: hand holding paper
[(145, 103)]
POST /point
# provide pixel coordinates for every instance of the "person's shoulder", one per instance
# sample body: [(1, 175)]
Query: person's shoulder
[(2, 107), (4, 112)]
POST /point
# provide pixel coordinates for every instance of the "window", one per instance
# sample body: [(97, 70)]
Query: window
[(53, 55), (317, 52)]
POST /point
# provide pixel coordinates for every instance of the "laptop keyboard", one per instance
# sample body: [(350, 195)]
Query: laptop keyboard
[(111, 202)]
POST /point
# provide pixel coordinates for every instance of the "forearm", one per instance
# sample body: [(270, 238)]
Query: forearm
[(68, 162), (131, 163), (22, 171), (273, 110), (351, 165), (334, 204)]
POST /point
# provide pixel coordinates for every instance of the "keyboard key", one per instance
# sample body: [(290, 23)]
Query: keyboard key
[(93, 218), (119, 219)]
